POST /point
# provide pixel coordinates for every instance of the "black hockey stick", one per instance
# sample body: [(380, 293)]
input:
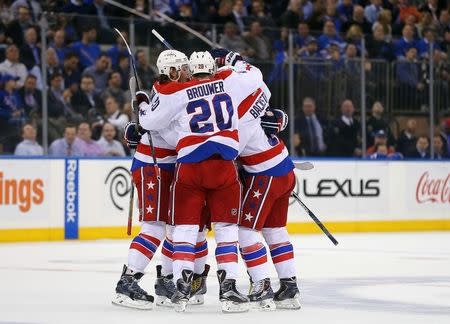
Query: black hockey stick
[(316, 220), (136, 114)]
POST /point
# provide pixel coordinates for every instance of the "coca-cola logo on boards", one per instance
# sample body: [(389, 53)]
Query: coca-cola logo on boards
[(435, 190)]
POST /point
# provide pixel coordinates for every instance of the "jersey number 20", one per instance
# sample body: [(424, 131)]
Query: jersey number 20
[(198, 121)]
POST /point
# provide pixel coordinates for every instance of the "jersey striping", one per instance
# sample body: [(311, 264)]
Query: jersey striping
[(165, 153), (202, 114), (260, 154)]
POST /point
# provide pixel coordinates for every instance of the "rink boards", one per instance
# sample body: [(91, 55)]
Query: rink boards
[(57, 199)]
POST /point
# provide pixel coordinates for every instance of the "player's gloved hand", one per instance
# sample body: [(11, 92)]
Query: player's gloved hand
[(141, 97), (133, 134), (232, 58), (274, 121), (282, 119), (219, 55)]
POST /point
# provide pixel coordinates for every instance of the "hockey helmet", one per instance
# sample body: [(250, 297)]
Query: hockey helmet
[(202, 62), (169, 59)]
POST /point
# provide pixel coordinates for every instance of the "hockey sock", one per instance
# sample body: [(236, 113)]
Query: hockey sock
[(201, 252), (254, 253), (226, 251), (166, 252), (281, 251), (144, 246), (184, 239)]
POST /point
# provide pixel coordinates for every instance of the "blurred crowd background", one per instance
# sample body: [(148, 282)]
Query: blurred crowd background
[(359, 78)]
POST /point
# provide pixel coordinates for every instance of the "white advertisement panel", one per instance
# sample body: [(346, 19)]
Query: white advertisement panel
[(344, 191), (31, 193), (104, 191), (427, 190)]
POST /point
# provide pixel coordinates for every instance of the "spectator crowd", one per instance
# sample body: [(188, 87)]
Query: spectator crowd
[(87, 67)]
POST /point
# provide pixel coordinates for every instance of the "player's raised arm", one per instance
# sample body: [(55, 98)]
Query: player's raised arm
[(245, 78)]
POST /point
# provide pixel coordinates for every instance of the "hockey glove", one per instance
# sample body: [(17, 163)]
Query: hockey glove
[(219, 55), (141, 97), (232, 58), (274, 121), (133, 134)]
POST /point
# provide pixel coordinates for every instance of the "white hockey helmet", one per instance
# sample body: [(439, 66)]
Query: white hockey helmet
[(202, 62), (171, 59)]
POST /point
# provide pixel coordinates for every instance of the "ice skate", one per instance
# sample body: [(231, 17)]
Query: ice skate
[(261, 295), (164, 288), (199, 287), (129, 294), (232, 300), (183, 291), (288, 296)]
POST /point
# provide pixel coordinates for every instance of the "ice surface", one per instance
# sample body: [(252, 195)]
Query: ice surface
[(368, 278)]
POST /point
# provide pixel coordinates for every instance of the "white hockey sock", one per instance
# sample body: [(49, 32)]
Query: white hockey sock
[(254, 253), (184, 239), (201, 252), (226, 251), (144, 246), (167, 252), (281, 251)]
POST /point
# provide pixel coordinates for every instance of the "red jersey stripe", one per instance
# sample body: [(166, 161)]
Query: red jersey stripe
[(193, 140), (263, 156), (248, 103), (160, 153)]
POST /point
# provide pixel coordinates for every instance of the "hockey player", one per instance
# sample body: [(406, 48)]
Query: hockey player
[(269, 181), (203, 114), (153, 188)]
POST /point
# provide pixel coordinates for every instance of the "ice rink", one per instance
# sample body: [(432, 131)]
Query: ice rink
[(368, 278)]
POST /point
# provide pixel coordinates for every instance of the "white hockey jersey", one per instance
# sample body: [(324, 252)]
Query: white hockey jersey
[(165, 153), (258, 153), (203, 114)]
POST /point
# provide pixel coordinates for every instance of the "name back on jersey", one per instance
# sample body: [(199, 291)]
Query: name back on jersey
[(205, 90)]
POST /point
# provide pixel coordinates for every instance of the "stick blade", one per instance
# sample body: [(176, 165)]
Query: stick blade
[(304, 166), (132, 85)]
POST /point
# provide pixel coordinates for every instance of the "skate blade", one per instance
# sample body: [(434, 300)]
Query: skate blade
[(197, 300), (125, 301), (266, 305), (180, 307), (233, 307), (291, 303), (163, 301)]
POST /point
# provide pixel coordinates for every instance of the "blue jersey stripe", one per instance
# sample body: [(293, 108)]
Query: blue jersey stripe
[(281, 169), (139, 164), (208, 149)]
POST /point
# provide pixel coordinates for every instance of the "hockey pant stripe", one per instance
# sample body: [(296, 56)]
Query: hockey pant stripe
[(201, 249), (227, 252), (254, 255), (183, 251)]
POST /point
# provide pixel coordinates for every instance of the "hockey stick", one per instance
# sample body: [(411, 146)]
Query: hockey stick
[(132, 84), (304, 165), (316, 220), (162, 39)]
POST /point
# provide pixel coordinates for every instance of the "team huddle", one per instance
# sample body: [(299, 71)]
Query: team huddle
[(205, 115)]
